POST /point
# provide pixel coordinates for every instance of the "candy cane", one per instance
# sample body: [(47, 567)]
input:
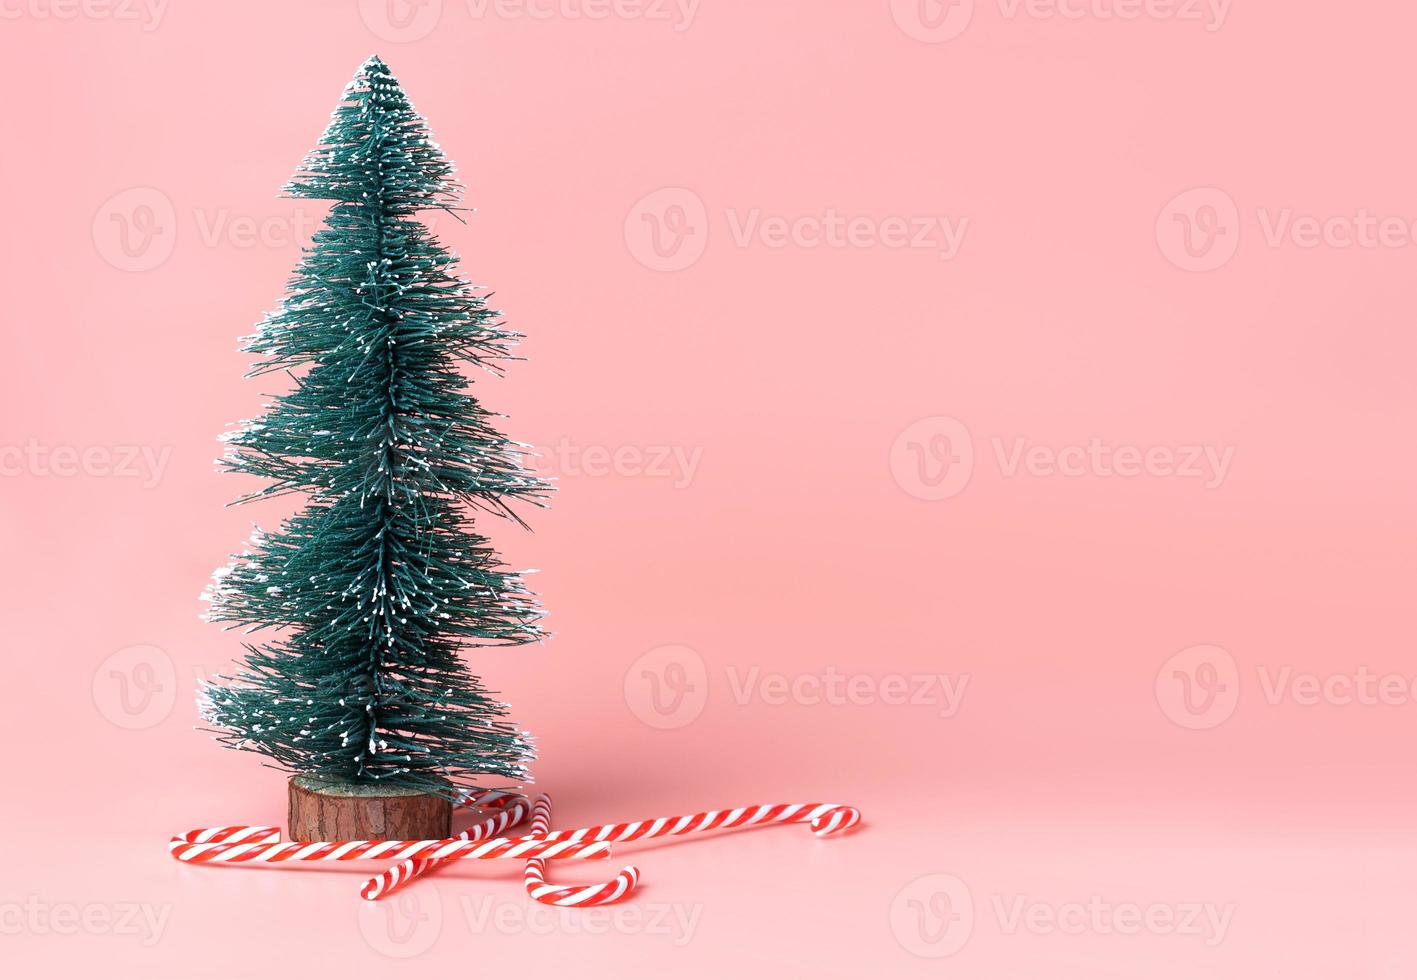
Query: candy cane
[(511, 810), (241, 843), (571, 895), (232, 845), (537, 887), (826, 819)]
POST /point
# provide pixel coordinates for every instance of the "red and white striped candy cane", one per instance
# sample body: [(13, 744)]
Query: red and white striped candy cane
[(243, 844), (510, 811), (567, 896), (825, 819), (231, 845), (537, 887)]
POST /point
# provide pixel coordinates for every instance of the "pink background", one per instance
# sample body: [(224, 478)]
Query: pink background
[(1163, 248)]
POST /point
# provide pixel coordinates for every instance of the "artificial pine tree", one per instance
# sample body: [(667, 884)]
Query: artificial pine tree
[(380, 580)]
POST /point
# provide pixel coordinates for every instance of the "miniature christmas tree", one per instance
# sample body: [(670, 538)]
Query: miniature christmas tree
[(378, 582)]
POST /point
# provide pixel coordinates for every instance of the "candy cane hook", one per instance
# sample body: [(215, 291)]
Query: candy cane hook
[(566, 896)]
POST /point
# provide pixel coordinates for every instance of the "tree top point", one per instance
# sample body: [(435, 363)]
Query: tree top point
[(373, 65)]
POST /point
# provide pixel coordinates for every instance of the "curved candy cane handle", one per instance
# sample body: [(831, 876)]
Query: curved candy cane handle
[(834, 819), (567, 896)]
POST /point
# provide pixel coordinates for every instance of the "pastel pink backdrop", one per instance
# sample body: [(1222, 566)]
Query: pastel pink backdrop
[(795, 373)]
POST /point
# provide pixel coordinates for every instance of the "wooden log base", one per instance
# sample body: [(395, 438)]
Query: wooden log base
[(325, 808)]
